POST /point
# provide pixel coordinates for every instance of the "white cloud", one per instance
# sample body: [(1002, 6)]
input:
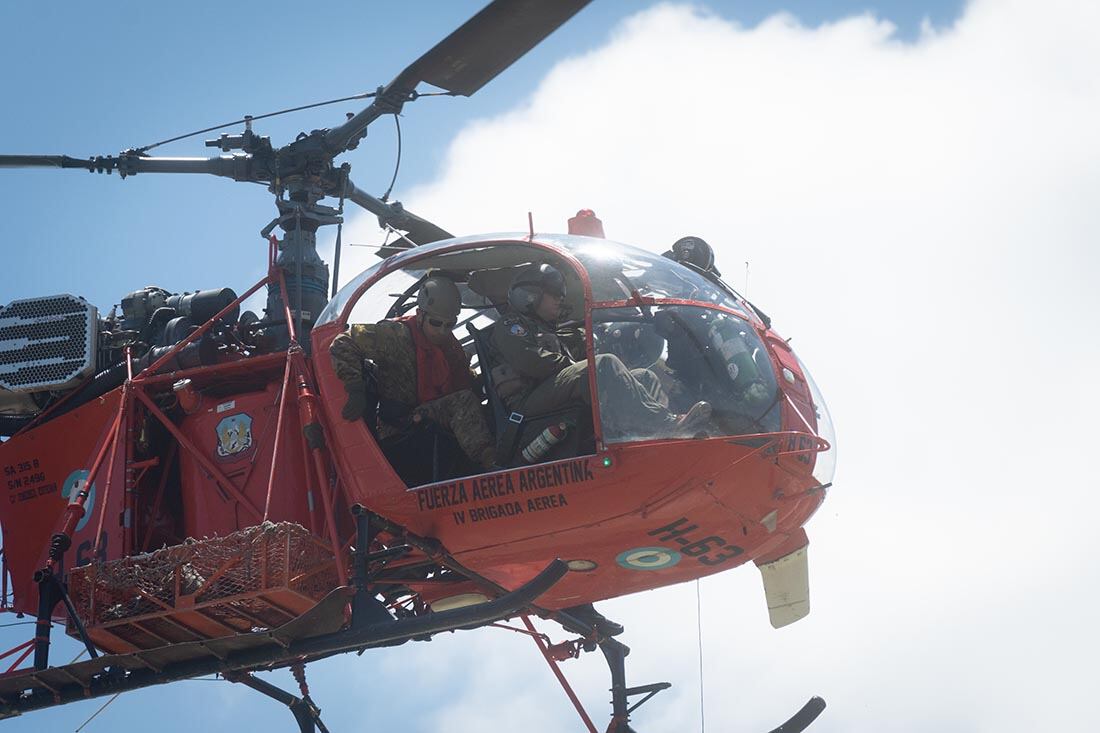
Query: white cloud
[(922, 219)]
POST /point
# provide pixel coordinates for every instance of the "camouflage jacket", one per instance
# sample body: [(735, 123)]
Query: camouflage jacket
[(390, 346)]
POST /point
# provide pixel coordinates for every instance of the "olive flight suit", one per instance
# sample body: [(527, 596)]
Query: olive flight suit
[(390, 346), (543, 377)]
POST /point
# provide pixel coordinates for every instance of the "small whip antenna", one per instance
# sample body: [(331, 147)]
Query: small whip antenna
[(699, 632)]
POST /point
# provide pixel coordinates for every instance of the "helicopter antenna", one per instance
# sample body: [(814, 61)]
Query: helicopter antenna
[(97, 712), (746, 278), (699, 636)]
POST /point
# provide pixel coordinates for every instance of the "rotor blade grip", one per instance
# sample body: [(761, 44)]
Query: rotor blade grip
[(363, 199), (338, 139), (420, 231), (235, 167)]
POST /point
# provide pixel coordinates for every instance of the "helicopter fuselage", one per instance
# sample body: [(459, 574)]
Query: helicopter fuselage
[(217, 448)]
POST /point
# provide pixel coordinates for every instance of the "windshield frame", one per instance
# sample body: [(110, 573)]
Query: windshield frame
[(561, 247), (751, 321), (339, 308)]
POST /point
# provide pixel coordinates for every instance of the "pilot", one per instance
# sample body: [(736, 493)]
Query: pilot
[(694, 251), (638, 345), (538, 374), (710, 355), (421, 370)]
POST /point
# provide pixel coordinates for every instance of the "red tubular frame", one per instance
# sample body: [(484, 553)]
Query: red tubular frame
[(198, 455), (173, 450), (27, 646), (134, 390), (278, 434), (124, 417), (558, 673), (309, 415), (74, 511), (314, 455)]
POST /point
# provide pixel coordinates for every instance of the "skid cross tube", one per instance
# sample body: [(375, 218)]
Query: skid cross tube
[(51, 591), (616, 652), (306, 714)]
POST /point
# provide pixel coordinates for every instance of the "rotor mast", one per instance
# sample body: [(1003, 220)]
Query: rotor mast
[(303, 172)]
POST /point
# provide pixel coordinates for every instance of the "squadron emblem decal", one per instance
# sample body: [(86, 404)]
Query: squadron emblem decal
[(234, 435)]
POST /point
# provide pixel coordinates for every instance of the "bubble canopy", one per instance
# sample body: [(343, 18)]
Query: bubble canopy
[(684, 335), (614, 271)]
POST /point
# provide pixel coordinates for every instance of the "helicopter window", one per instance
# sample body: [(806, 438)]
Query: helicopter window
[(616, 270), (824, 463), (503, 257), (687, 354), (483, 273), (379, 299)]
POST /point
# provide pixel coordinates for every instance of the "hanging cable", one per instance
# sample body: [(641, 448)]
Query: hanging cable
[(97, 712), (699, 634), (366, 95), (17, 623), (386, 195)]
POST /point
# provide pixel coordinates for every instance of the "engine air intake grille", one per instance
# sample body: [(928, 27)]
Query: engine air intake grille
[(46, 343)]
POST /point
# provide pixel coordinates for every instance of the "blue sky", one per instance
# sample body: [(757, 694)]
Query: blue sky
[(890, 206), (98, 78)]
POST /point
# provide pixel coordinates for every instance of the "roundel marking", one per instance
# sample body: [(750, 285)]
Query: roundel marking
[(648, 558)]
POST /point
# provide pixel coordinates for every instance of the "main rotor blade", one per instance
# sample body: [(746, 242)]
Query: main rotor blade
[(41, 161), (487, 44), (237, 167), (466, 60)]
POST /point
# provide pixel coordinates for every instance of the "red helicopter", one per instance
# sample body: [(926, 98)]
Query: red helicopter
[(185, 496)]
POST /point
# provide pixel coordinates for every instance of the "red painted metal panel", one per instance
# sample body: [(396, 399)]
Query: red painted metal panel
[(237, 434), (42, 465)]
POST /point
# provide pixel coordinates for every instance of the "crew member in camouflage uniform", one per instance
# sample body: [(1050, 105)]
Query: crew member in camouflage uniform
[(536, 374), (421, 370)]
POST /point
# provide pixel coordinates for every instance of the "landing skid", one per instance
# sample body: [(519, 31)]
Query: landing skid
[(802, 719), (615, 652), (595, 630)]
